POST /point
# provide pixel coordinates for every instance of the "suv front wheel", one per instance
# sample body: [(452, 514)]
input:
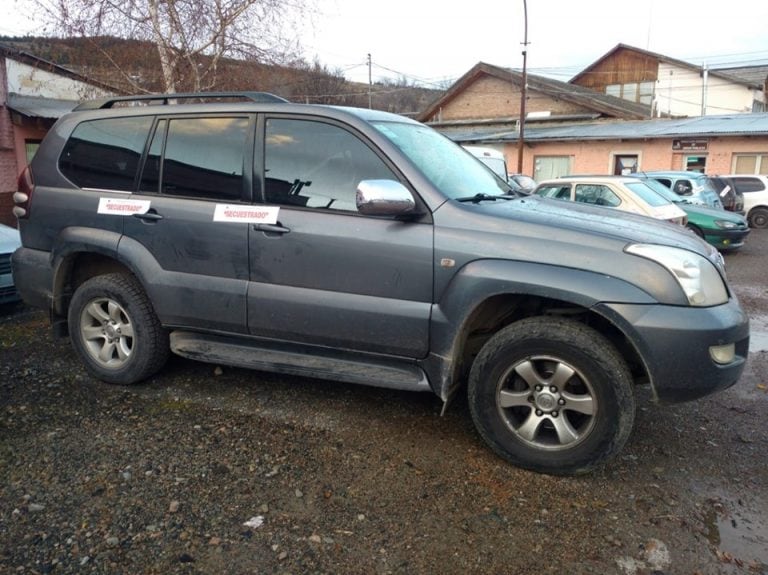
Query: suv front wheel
[(115, 330), (551, 395)]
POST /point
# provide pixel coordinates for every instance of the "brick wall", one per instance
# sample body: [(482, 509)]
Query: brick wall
[(8, 168), (6, 205), (491, 97), (596, 157)]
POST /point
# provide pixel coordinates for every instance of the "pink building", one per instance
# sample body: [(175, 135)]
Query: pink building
[(34, 93)]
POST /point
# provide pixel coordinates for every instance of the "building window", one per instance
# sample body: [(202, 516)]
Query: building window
[(750, 164), (31, 147), (695, 164), (641, 92), (645, 95), (548, 167), (625, 164)]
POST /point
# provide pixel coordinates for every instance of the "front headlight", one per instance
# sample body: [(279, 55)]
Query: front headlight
[(725, 225), (697, 276)]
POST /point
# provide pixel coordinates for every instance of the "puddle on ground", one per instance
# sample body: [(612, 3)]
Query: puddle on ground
[(736, 532), (758, 333)]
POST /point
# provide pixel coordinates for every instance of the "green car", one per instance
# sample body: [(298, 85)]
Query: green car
[(724, 230)]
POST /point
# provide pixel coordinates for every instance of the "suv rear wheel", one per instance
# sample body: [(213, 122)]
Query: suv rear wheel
[(551, 395), (115, 330)]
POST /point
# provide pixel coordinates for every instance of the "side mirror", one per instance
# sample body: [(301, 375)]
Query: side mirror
[(384, 198)]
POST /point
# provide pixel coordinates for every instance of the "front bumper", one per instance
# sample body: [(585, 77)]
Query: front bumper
[(674, 344), (726, 239)]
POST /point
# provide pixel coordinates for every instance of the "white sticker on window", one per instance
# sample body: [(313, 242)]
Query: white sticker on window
[(246, 214), (122, 207)]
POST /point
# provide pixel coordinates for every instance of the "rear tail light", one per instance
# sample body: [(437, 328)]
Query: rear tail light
[(23, 197)]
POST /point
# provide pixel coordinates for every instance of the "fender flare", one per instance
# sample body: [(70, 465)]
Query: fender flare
[(481, 280)]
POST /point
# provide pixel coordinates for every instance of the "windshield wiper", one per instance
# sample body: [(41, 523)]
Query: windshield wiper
[(477, 198)]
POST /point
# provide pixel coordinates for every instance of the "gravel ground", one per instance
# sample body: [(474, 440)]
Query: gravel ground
[(225, 471)]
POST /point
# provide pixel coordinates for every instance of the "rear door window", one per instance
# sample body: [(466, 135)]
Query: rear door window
[(747, 185), (596, 194), (105, 154), (201, 158)]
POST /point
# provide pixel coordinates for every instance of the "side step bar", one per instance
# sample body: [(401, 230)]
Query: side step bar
[(310, 361)]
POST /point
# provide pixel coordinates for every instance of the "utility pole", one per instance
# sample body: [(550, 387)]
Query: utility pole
[(523, 94), (704, 88), (370, 84)]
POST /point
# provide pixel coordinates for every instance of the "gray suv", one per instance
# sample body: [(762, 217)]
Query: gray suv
[(361, 246)]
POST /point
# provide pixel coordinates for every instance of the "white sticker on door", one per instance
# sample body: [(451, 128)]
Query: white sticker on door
[(246, 214), (122, 207)]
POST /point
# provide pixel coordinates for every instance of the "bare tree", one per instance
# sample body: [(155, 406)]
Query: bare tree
[(191, 36)]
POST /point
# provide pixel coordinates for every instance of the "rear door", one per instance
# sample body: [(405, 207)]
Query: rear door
[(196, 264), (323, 273)]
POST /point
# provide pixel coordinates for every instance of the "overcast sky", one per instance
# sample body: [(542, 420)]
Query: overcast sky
[(432, 41), (436, 42)]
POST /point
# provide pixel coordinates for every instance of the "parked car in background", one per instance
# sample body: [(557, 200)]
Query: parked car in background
[(9, 241), (725, 230), (527, 183), (733, 199), (623, 193), (754, 187), (491, 158), (693, 186), (494, 161)]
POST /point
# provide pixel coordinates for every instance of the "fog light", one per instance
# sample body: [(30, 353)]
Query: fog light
[(723, 354)]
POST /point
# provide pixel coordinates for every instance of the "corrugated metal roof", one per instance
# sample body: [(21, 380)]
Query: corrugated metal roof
[(728, 125), (752, 74), (36, 107)]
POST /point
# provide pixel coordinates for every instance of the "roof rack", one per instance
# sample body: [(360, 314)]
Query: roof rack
[(165, 99)]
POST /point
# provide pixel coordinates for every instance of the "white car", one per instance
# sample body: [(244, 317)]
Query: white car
[(9, 241), (619, 192), (754, 187)]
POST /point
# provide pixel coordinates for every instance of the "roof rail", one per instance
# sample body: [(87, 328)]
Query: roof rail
[(104, 103)]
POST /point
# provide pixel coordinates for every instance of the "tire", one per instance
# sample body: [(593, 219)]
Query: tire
[(696, 230), (758, 218), (115, 330), (552, 395)]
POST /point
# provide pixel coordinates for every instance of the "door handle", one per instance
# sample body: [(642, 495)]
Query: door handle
[(271, 228), (150, 216)]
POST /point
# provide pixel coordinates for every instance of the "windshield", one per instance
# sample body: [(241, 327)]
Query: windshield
[(451, 169), (663, 190), (703, 183), (651, 198)]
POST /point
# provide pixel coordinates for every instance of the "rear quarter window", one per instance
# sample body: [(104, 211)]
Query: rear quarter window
[(746, 185), (104, 154)]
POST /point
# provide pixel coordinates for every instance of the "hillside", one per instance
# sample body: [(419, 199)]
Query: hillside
[(133, 66)]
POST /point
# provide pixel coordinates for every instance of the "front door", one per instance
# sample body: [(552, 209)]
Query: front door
[(325, 274)]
